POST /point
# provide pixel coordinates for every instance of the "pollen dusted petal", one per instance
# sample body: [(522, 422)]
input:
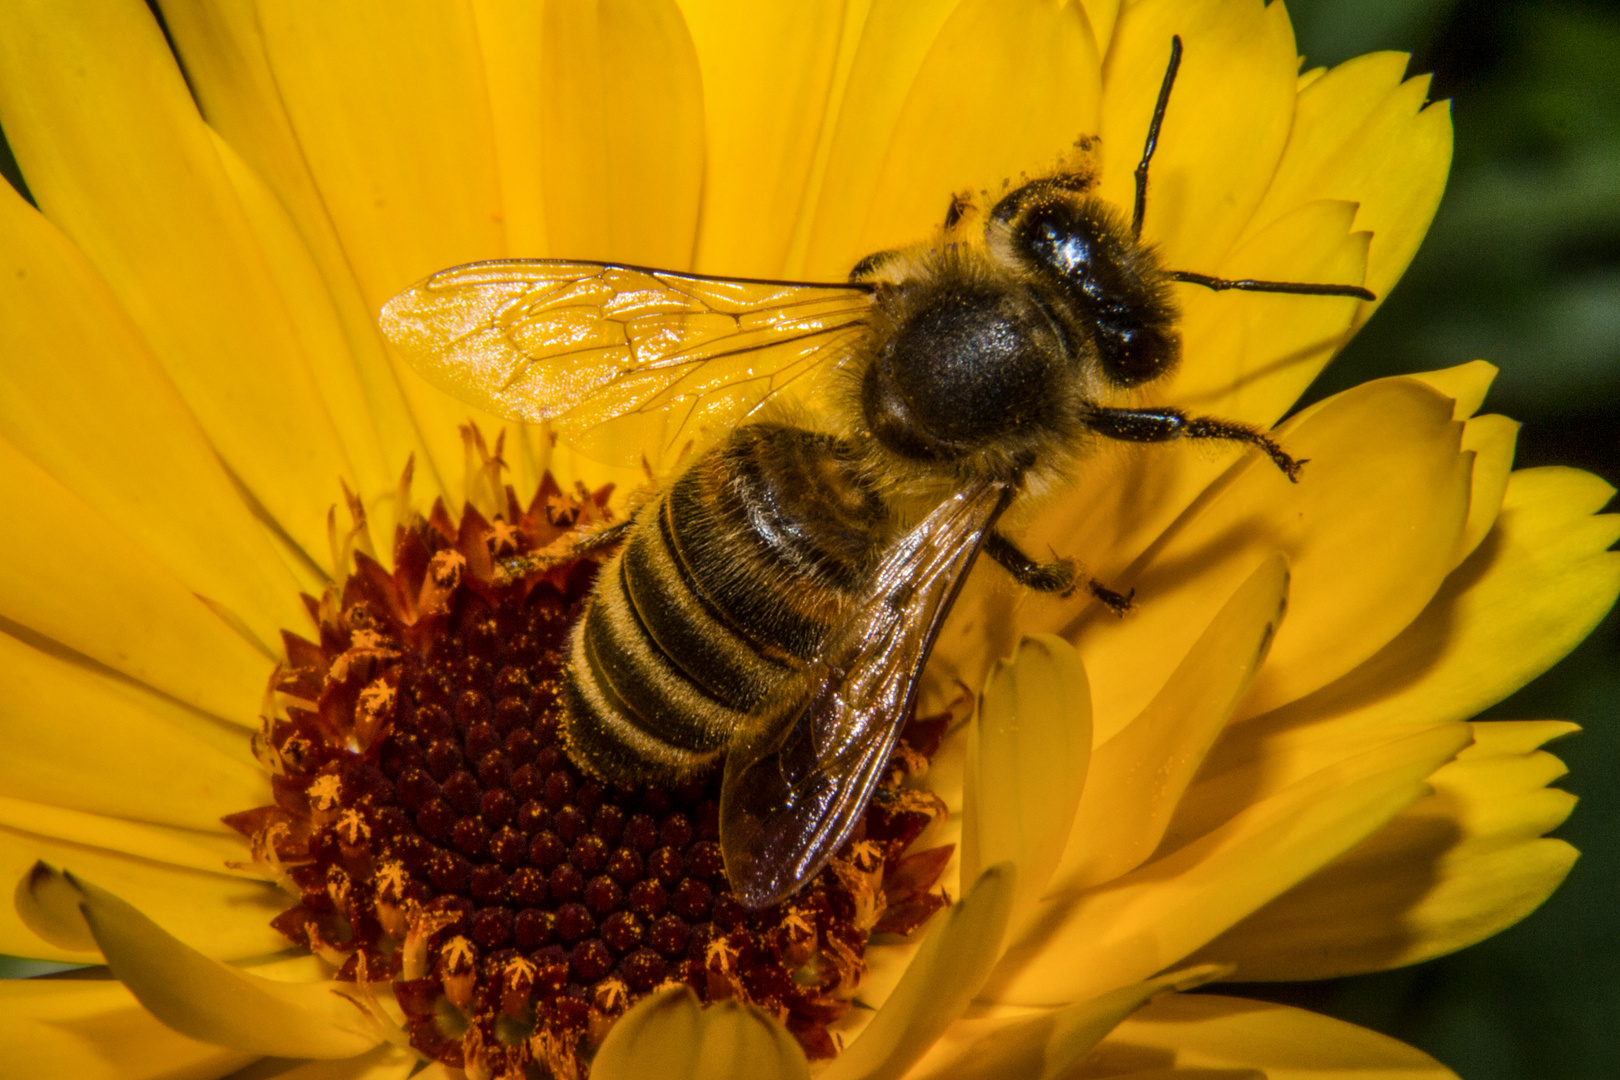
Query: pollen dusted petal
[(112, 147), (1455, 867), (670, 1036), (1138, 777), (621, 125), (74, 578), (1199, 1032), (1164, 910), (83, 397), (1028, 751), (943, 978), (222, 1005), (1004, 91), (1048, 1044), (221, 915), (1225, 127), (760, 145), (96, 1030)]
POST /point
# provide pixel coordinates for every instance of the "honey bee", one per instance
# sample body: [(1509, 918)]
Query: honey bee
[(774, 606)]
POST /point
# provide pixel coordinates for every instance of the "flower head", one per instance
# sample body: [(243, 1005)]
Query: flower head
[(1267, 769)]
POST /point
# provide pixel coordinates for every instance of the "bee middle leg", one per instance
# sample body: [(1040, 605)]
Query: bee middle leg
[(1165, 425), (1061, 576)]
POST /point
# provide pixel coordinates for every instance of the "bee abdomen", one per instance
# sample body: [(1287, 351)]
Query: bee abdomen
[(724, 592)]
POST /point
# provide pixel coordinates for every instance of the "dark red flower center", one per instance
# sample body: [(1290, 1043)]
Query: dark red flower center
[(442, 843)]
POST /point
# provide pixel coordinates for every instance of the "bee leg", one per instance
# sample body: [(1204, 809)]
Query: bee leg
[(1164, 425), (870, 265), (604, 537), (1061, 576)]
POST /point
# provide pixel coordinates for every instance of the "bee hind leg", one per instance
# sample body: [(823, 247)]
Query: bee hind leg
[(1061, 576)]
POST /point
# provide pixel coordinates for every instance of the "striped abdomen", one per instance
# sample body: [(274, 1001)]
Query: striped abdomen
[(725, 590)]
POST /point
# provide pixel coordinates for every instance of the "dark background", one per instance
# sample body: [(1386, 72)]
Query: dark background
[(1522, 268)]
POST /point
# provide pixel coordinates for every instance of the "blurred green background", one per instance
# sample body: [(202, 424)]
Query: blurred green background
[(1522, 268)]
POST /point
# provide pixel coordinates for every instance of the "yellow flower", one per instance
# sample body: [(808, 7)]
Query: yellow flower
[(192, 378)]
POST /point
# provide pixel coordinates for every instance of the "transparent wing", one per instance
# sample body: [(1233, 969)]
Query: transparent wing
[(794, 788), (590, 345)]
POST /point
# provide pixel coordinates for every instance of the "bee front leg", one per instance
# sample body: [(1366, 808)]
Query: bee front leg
[(1061, 576), (1164, 425)]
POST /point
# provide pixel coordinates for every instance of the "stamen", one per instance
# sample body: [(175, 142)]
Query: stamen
[(440, 840)]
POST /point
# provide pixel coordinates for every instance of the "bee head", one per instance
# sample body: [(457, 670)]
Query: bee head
[(1109, 286), (964, 364)]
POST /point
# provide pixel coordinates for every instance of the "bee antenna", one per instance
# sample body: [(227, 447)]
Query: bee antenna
[(1153, 136), (1297, 288)]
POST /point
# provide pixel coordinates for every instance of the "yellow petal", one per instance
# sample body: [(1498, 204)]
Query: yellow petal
[(509, 41), (622, 132), (213, 1003), (1102, 15), (81, 395), (390, 110), (226, 67), (1138, 776), (1331, 107), (314, 318), (218, 913), (95, 1030), (760, 146), (384, 1062), (74, 741), (1466, 384), (1492, 440), (669, 1035), (1248, 356), (1224, 129), (1531, 591), (1362, 135), (1048, 1045), (1161, 912), (48, 904), (881, 49), (113, 149), (1028, 749), (1452, 869), (947, 971), (1014, 82), (1187, 1034), (1370, 532), (72, 577), (209, 852)]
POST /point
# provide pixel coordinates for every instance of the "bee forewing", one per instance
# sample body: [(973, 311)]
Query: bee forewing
[(796, 785), (589, 345)]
